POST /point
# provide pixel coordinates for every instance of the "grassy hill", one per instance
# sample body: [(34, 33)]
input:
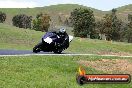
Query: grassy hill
[(54, 11), (63, 10), (124, 11), (17, 38)]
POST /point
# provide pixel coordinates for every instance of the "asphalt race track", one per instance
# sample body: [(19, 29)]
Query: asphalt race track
[(20, 52), (29, 53)]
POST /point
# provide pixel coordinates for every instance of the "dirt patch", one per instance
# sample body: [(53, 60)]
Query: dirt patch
[(110, 66), (113, 53)]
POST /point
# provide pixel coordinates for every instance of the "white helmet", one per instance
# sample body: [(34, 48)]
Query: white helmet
[(62, 30)]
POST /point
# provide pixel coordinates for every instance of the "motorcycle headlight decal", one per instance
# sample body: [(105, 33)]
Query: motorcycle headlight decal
[(48, 40)]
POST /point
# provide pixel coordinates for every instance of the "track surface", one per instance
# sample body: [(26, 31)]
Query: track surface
[(29, 53), (20, 52)]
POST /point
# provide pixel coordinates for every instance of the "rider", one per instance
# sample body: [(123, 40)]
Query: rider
[(64, 36)]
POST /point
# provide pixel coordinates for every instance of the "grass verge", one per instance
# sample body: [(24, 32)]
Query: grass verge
[(48, 72)]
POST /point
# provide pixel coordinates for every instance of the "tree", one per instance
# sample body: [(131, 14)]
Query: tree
[(128, 32), (83, 22), (100, 28), (42, 22), (2, 17), (111, 26), (22, 21), (116, 26), (36, 24)]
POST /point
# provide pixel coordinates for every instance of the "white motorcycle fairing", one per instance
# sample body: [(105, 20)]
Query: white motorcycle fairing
[(48, 40), (70, 38)]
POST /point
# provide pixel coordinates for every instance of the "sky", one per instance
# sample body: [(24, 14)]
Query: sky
[(104, 5)]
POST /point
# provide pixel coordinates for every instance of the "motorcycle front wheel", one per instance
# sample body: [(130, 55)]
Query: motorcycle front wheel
[(37, 49)]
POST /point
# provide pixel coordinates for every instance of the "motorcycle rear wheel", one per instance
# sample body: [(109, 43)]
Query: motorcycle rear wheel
[(57, 51)]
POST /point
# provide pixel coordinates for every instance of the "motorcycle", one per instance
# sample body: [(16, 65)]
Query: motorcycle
[(51, 42)]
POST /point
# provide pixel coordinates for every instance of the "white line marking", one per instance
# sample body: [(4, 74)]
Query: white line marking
[(64, 55)]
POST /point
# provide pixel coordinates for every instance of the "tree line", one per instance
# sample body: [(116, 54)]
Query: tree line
[(40, 23), (83, 23)]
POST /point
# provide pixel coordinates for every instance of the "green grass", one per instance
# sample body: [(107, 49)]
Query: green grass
[(47, 72), (96, 46), (18, 38), (21, 39)]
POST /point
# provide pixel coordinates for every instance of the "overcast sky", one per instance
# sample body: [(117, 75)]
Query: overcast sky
[(98, 4)]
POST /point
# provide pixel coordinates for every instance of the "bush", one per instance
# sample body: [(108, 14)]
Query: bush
[(42, 22), (22, 21), (2, 17)]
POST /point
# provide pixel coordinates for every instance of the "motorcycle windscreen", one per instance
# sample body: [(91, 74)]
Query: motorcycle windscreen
[(70, 38), (50, 37), (48, 34)]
